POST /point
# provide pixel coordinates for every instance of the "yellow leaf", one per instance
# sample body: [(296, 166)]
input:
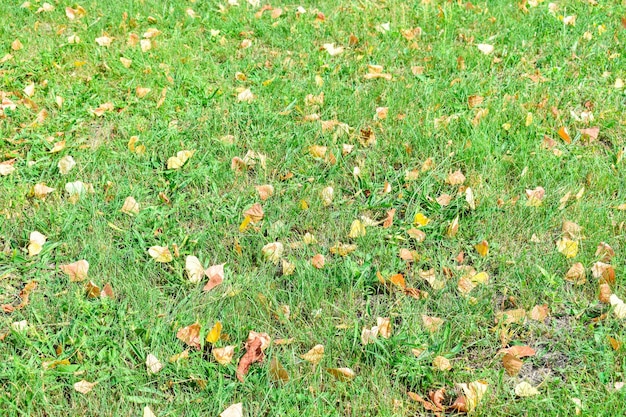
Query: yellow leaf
[(567, 247), (160, 254), (36, 243), (245, 223), (524, 389), (420, 220), (175, 162), (474, 393), (214, 335), (357, 229), (314, 355), (482, 248), (318, 151)]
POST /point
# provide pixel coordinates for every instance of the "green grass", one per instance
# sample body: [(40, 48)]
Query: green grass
[(107, 341)]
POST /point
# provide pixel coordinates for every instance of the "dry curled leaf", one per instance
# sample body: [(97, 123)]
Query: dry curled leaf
[(190, 335), (442, 363), (432, 324), (224, 355), (343, 374), (576, 274), (176, 162), (235, 410), (255, 213), (524, 389), (512, 364), (318, 261), (253, 354), (265, 191), (216, 276), (455, 178), (153, 364), (273, 251), (84, 386), (130, 206)]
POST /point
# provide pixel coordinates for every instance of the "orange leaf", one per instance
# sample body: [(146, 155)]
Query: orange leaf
[(318, 261), (398, 280), (389, 220), (519, 351), (564, 134), (512, 364)]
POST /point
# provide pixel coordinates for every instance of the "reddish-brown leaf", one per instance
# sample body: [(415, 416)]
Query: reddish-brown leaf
[(253, 354), (389, 220)]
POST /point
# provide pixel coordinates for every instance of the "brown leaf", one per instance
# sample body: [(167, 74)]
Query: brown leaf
[(265, 191), (93, 291), (539, 312), (77, 271), (437, 397), (389, 220), (456, 178), (519, 351), (416, 234), (605, 293), (426, 404), (318, 261), (255, 213), (576, 274), (343, 374), (605, 252), (444, 199), (107, 292), (604, 272), (223, 355), (216, 276), (473, 101), (442, 363), (432, 324), (590, 133), (190, 335), (253, 354), (277, 371)]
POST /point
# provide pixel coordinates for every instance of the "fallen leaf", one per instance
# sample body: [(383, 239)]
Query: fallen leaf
[(265, 191), (66, 164), (576, 274), (84, 386), (253, 354), (564, 134), (273, 251), (40, 191), (571, 230), (92, 290), (246, 95), (147, 412), (255, 213), (130, 206), (524, 389), (160, 254), (36, 242), (511, 316), (327, 195), (420, 220), (432, 324), (7, 167), (343, 374), (444, 200), (195, 270), (104, 41), (235, 410), (314, 355), (216, 276), (591, 133), (426, 404), (176, 162), (126, 62), (605, 252), (535, 197), (442, 363), (77, 271), (141, 92), (318, 261), (277, 371), (389, 220), (214, 335), (485, 48), (455, 178), (332, 49), (474, 392), (369, 335), (357, 229), (16, 45), (469, 197), (605, 293), (416, 234), (289, 268), (539, 312), (512, 364), (453, 228), (519, 351), (190, 335), (107, 292), (224, 355), (384, 327), (567, 247), (619, 308), (153, 364), (482, 248)]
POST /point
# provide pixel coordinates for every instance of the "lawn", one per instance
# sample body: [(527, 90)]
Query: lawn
[(332, 208)]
